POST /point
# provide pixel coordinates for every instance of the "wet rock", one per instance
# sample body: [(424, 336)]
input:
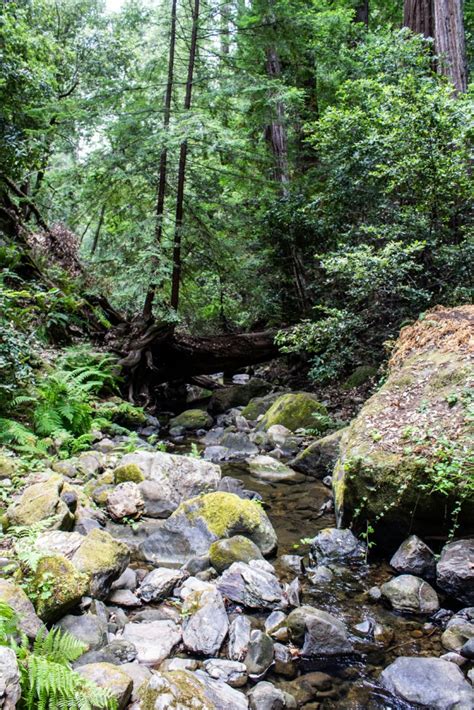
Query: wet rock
[(309, 687), (294, 411), (237, 395), (40, 502), (250, 586), (278, 434), (320, 633), (259, 655), (206, 623), (125, 501), (88, 628), (266, 468), (284, 662), (159, 583), (320, 575), (291, 563), (112, 678), (231, 672), (154, 640), (239, 638), (116, 652), (15, 597), (215, 453), (410, 594), (237, 445), (228, 484), (319, 458), (265, 696), (291, 593), (184, 689), (458, 631), (467, 651), (179, 478), (200, 521), (454, 657), (223, 553), (259, 405), (191, 420), (414, 557), (127, 580), (274, 623), (103, 559), (10, 690), (66, 586), (429, 683), (334, 545), (455, 570)]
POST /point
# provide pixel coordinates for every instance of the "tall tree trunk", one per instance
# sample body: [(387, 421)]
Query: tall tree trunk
[(276, 131), (176, 276), (450, 41), (419, 17), (362, 12), (160, 199), (95, 241)]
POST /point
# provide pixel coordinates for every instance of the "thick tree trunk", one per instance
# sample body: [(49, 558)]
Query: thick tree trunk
[(161, 192), (276, 131), (362, 12), (419, 17), (176, 275), (450, 41)]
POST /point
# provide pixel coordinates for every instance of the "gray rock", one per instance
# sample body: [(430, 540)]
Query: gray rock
[(274, 623), (139, 674), (15, 597), (10, 690), (125, 501), (155, 506), (285, 664), (103, 559), (179, 664), (231, 672), (266, 468), (320, 633), (206, 627), (320, 457), (334, 545), (184, 689), (238, 445), (250, 586), (239, 638), (291, 563), (265, 696), (259, 656), (124, 597), (455, 570), (127, 580), (467, 651), (414, 557), (320, 575), (457, 633), (112, 678), (58, 542), (429, 683), (42, 501), (223, 553), (237, 395), (229, 484), (88, 628), (116, 652), (154, 640), (159, 583), (410, 594)]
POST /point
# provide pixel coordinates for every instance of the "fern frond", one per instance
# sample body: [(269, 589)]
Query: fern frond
[(58, 647)]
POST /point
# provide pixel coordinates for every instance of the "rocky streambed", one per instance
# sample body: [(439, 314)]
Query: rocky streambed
[(212, 575)]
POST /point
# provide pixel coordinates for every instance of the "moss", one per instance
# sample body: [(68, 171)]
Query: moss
[(223, 553), (129, 472), (259, 405), (192, 419), (121, 413), (180, 689), (294, 411), (40, 502), (99, 553), (8, 467), (360, 376), (223, 512), (56, 587)]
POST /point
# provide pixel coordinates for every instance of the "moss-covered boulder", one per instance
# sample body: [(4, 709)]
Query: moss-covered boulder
[(122, 413), (199, 522), (8, 466), (319, 458), (404, 460), (128, 473), (102, 559), (259, 405), (238, 395), (223, 553), (192, 419), (110, 677), (56, 587), (40, 502), (177, 690), (360, 376), (296, 410)]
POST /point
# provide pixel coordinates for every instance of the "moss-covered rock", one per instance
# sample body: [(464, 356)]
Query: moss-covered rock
[(42, 501), (319, 458), (102, 559), (110, 677), (122, 413), (130, 472), (298, 410), (223, 553), (174, 690), (238, 395), (192, 419), (360, 376), (8, 466), (412, 438), (259, 405), (13, 595), (56, 587)]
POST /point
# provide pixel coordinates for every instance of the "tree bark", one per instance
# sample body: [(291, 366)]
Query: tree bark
[(276, 131), (362, 12), (176, 275), (450, 41), (419, 17), (95, 241), (160, 199)]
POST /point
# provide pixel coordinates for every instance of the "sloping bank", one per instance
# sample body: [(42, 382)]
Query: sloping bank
[(406, 461)]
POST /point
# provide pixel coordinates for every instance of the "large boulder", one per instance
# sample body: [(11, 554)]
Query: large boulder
[(394, 469), (102, 559), (428, 683), (154, 640), (58, 586), (319, 458), (259, 405), (110, 677), (206, 623), (414, 557), (223, 553), (320, 633), (237, 395), (296, 410), (41, 502), (185, 689), (266, 468), (251, 585), (455, 570), (410, 594), (334, 545), (176, 478), (198, 522), (192, 419)]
